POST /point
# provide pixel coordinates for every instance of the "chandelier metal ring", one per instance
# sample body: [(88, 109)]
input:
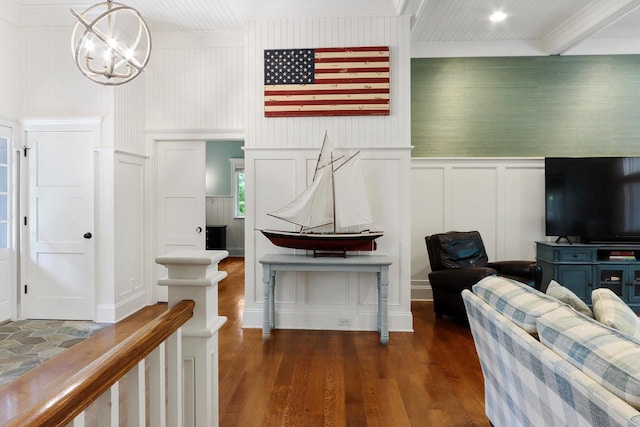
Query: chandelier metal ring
[(110, 43)]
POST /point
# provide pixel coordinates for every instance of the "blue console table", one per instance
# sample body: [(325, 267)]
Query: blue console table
[(272, 263)]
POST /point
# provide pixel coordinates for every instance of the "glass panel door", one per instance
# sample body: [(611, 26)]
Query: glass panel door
[(611, 277)]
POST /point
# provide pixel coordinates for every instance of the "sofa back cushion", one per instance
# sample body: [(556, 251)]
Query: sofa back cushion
[(517, 301), (610, 310), (609, 357)]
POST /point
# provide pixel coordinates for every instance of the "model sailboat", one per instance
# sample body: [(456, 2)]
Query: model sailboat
[(332, 211)]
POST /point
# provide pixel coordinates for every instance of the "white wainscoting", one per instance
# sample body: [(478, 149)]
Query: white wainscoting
[(502, 198), (129, 204), (221, 211), (324, 300), (120, 229)]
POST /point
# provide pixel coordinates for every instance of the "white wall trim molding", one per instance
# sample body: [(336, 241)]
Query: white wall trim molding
[(118, 152), (67, 123), (502, 197), (130, 305), (106, 313), (194, 134)]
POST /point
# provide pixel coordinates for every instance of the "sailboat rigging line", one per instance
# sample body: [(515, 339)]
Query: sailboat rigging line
[(302, 226), (331, 163), (346, 161)]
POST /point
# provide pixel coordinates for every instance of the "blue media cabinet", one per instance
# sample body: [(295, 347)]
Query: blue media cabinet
[(584, 267)]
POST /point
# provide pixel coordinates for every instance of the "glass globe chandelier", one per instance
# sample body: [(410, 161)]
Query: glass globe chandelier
[(111, 43)]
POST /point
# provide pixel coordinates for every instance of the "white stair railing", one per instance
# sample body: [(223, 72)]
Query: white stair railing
[(179, 348)]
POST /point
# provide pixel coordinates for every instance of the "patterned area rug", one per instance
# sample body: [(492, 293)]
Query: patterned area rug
[(26, 344)]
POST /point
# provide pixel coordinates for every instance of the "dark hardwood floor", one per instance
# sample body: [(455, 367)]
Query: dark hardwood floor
[(430, 377)]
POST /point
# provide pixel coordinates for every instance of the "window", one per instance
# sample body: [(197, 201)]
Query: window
[(237, 181)]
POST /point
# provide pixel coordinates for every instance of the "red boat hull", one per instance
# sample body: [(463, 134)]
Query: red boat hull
[(324, 242)]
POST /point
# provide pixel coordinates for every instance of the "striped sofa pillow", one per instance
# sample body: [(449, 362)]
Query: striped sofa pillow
[(609, 357), (610, 310), (517, 301)]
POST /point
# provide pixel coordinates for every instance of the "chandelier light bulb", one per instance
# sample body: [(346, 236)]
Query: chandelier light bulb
[(498, 16), (88, 46)]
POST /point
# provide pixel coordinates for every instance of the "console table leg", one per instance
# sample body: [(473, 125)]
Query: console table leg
[(272, 301), (266, 309), (383, 281)]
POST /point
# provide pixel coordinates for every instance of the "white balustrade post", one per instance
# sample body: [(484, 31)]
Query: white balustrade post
[(193, 275)]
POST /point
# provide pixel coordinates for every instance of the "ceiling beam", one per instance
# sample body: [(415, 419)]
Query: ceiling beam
[(589, 21)]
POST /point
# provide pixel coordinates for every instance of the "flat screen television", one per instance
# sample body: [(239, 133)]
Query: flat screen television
[(596, 199)]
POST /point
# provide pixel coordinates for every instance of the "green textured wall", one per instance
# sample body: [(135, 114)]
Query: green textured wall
[(525, 106)]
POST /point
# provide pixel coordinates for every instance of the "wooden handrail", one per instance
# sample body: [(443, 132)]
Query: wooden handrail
[(67, 400)]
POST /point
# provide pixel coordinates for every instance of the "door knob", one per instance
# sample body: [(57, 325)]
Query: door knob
[(198, 229), (87, 235)]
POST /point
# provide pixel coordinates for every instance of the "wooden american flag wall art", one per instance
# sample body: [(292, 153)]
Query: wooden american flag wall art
[(350, 81)]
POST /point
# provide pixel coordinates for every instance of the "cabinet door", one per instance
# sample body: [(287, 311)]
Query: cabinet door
[(577, 278), (612, 276), (633, 287)]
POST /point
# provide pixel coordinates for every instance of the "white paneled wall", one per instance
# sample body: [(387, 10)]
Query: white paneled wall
[(314, 300), (354, 131), (220, 211), (196, 88), (129, 111), (129, 204), (12, 79), (56, 87), (501, 198)]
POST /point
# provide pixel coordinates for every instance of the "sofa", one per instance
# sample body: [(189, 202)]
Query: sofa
[(547, 364)]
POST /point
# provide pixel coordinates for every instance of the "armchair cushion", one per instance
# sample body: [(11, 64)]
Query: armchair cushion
[(460, 278), (461, 249)]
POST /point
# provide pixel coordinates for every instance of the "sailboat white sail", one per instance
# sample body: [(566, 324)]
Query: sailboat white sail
[(313, 207), (336, 198), (350, 192)]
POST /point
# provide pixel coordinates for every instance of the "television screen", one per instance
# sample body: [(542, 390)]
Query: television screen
[(594, 198)]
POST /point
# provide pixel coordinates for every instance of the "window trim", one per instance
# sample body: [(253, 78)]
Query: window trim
[(237, 165)]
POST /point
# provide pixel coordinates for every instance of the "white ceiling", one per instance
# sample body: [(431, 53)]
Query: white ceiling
[(439, 27)]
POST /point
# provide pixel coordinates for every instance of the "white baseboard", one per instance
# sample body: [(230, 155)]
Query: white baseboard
[(113, 313), (329, 321)]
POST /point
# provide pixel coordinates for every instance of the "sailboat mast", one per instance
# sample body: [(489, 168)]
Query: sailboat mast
[(324, 140), (333, 194)]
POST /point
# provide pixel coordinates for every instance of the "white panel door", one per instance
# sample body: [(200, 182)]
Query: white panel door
[(181, 205), (7, 284), (59, 282)]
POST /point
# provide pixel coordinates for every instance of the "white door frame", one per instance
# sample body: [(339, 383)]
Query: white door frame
[(151, 141), (71, 124)]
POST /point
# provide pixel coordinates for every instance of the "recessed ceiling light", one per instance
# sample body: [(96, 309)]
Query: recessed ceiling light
[(498, 16)]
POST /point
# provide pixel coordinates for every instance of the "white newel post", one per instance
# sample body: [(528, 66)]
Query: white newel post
[(193, 275)]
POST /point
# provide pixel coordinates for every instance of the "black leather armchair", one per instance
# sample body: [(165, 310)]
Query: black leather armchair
[(459, 260)]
